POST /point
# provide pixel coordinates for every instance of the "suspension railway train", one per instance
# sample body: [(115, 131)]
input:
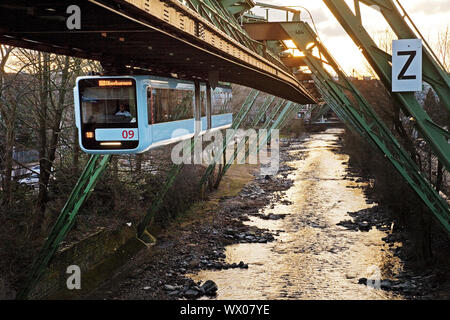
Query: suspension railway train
[(132, 114)]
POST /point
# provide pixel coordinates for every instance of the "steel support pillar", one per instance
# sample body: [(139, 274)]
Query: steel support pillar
[(362, 116), (436, 137), (142, 233), (237, 121), (80, 193), (242, 143)]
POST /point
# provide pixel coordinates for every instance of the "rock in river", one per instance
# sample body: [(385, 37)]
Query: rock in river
[(191, 294), (168, 287), (210, 288)]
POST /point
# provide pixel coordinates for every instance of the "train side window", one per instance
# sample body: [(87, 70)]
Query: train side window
[(221, 100), (203, 100), (170, 104)]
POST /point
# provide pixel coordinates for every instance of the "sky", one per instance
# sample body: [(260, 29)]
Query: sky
[(430, 17)]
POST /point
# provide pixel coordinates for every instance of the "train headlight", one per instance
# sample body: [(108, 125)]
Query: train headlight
[(111, 144)]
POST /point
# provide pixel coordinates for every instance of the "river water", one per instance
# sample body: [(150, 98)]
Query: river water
[(314, 258)]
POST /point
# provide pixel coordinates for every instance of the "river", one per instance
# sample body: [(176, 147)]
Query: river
[(314, 258)]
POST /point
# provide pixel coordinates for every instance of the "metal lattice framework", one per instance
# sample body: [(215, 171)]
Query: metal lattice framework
[(436, 136), (356, 112), (91, 174), (361, 116)]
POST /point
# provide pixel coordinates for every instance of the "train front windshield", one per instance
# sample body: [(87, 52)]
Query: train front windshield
[(108, 110)]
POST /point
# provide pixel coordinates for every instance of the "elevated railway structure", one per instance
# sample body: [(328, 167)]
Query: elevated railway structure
[(353, 109), (433, 72), (214, 40), (201, 39)]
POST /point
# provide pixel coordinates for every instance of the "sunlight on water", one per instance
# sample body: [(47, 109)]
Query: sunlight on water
[(314, 258)]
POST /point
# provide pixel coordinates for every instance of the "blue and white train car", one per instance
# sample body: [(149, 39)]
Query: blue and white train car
[(132, 114)]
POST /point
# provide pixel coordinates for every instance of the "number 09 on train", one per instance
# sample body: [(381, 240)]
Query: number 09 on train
[(132, 114)]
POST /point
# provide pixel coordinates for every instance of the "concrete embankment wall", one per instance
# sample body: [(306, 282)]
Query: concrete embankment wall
[(99, 256)]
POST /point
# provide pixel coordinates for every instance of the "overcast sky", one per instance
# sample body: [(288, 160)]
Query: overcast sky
[(430, 16)]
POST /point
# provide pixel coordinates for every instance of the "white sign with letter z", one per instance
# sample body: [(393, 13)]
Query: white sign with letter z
[(407, 65)]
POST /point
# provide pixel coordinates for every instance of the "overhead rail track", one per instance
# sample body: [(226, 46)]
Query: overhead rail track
[(158, 36)]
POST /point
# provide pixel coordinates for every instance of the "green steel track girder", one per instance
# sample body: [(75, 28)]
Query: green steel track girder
[(237, 121), (80, 193), (358, 112), (236, 7), (215, 12), (176, 168), (261, 112), (435, 136), (278, 123), (433, 72), (323, 109)]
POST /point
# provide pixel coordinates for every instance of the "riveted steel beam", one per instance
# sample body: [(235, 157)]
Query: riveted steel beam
[(358, 113), (435, 136), (159, 36)]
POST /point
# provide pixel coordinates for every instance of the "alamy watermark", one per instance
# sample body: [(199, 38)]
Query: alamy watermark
[(242, 146), (373, 277), (73, 22), (74, 280)]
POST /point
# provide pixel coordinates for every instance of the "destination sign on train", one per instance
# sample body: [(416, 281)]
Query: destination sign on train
[(112, 83)]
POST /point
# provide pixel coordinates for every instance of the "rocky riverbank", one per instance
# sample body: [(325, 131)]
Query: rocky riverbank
[(414, 281), (199, 244), (329, 243)]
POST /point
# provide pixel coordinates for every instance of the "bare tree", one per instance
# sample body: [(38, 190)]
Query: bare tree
[(12, 89), (8, 115), (50, 101), (443, 48), (384, 40)]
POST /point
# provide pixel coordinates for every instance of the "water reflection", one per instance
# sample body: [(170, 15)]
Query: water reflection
[(314, 258)]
